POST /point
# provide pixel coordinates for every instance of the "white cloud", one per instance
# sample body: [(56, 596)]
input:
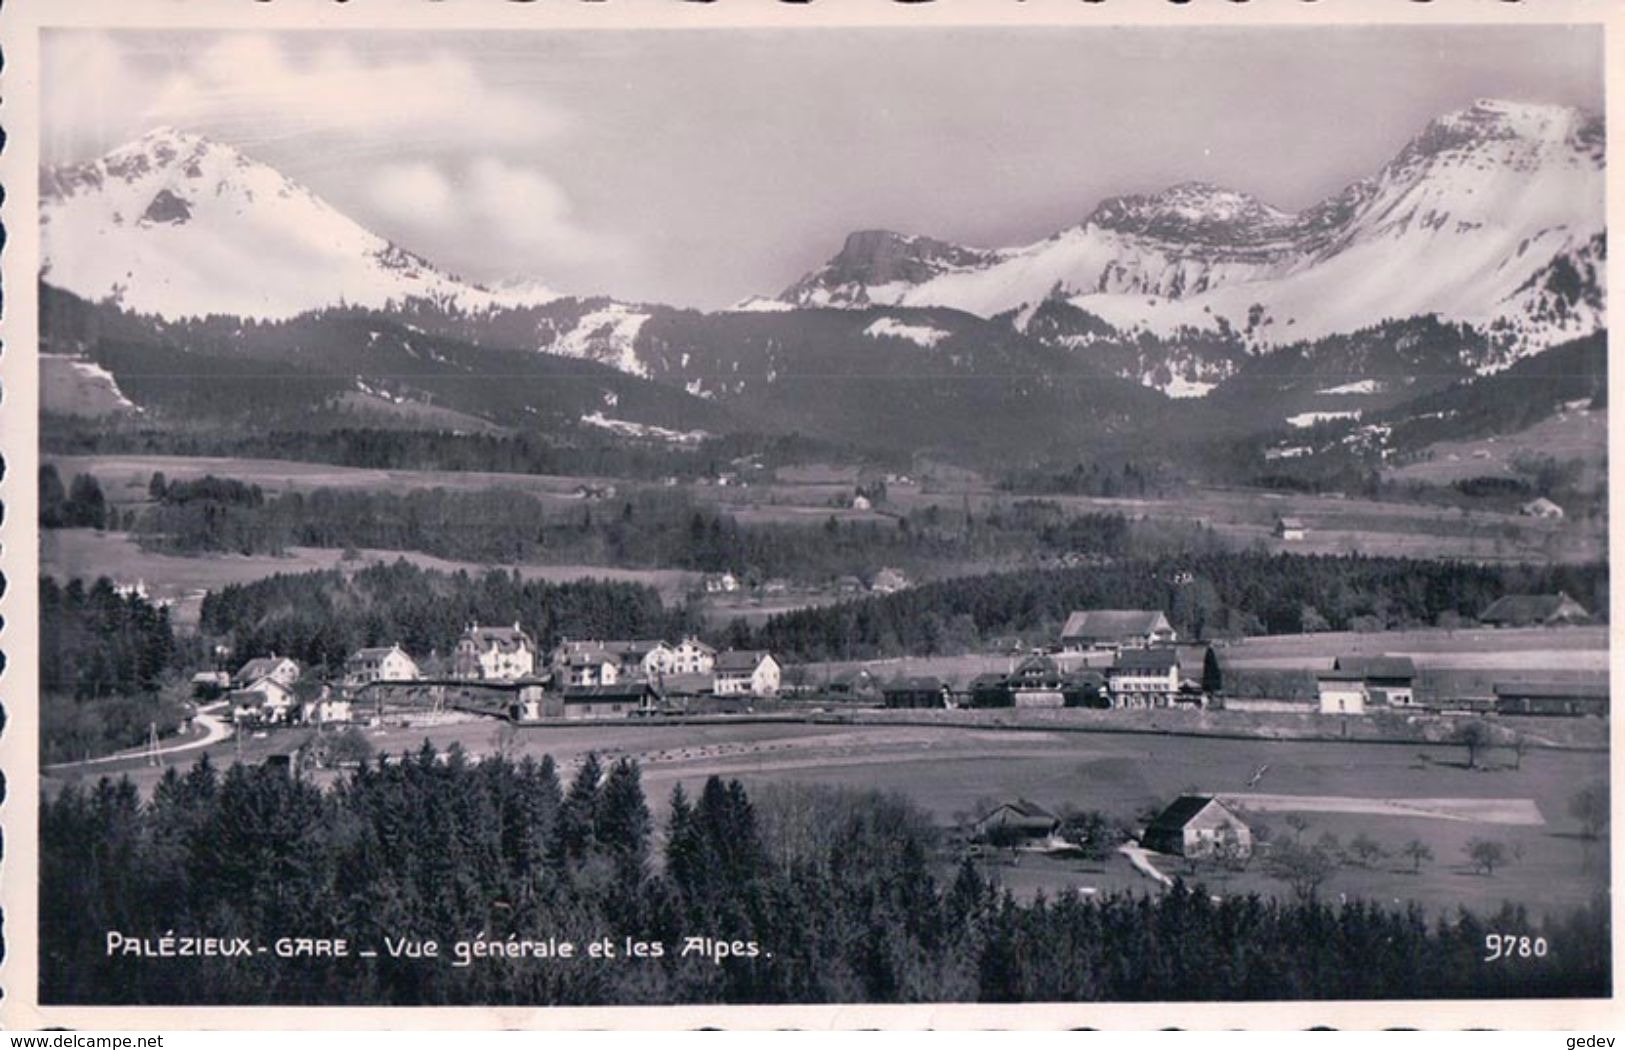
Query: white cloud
[(250, 88), (488, 200)]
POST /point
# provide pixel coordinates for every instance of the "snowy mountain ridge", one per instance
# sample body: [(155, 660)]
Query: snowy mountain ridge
[(1462, 223)]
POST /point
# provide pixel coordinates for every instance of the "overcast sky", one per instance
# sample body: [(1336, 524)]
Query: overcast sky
[(699, 167)]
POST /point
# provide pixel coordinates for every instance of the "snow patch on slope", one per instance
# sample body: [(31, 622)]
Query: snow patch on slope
[(607, 335), (627, 428), (918, 334)]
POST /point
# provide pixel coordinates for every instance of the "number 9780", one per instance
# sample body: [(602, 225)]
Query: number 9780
[(1513, 946)]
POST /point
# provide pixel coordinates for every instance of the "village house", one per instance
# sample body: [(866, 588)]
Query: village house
[(585, 667), (1144, 677), (1016, 823), (268, 703), (861, 502), (1356, 683), (746, 672), (495, 654), (280, 669), (1198, 826), (691, 656), (390, 664), (1096, 629), (638, 658), (1287, 528), (1534, 610), (925, 691), (1541, 507)]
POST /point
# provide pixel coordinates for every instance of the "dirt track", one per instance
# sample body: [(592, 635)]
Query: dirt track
[(1520, 811)]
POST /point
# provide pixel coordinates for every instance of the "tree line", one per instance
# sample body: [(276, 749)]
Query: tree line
[(651, 527), (321, 618), (821, 895), (104, 660)]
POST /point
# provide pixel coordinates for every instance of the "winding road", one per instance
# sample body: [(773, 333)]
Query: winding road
[(215, 730)]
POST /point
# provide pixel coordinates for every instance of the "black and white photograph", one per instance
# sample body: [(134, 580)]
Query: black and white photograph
[(766, 515)]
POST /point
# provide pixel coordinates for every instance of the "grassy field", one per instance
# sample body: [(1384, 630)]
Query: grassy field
[(87, 553), (1571, 436), (124, 478), (954, 772), (1514, 649)]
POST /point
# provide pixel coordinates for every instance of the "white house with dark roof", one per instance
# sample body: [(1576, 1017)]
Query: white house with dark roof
[(692, 656), (1144, 677), (746, 672), (502, 654), (380, 664), (1095, 629), (1198, 826), (1356, 683)]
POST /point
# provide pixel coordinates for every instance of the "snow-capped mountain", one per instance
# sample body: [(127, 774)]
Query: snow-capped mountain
[(1493, 215), (176, 225)]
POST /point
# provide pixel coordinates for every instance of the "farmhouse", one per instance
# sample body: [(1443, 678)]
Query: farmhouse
[(746, 672), (1290, 529), (1144, 677), (280, 669), (1552, 698), (1018, 821), (1541, 507), (495, 653), (1357, 682), (916, 692), (380, 665), (1115, 629), (620, 700), (1534, 610), (861, 502), (1198, 826)]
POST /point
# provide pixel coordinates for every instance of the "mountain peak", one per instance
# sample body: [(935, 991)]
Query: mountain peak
[(177, 224), (1522, 128), (1197, 211)]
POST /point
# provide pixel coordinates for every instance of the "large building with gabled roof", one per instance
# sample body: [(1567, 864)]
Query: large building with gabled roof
[(1095, 629)]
